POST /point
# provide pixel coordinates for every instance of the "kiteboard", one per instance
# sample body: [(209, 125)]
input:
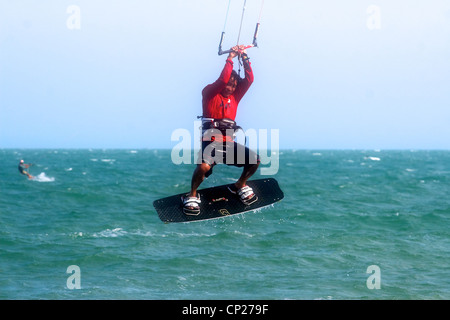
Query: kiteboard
[(219, 202)]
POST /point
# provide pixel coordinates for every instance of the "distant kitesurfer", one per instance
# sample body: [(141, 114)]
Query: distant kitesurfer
[(22, 167), (220, 102)]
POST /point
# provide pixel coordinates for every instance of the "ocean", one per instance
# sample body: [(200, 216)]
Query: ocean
[(354, 224)]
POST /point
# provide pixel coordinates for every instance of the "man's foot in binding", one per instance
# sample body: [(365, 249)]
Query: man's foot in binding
[(246, 194), (191, 205)]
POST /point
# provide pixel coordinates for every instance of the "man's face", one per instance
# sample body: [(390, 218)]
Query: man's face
[(230, 87)]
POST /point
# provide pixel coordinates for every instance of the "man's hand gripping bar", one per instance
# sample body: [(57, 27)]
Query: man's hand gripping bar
[(254, 44)]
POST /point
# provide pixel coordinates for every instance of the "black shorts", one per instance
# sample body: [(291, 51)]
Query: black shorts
[(228, 152)]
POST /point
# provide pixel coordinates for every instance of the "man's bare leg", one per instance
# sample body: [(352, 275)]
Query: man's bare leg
[(197, 177), (246, 174)]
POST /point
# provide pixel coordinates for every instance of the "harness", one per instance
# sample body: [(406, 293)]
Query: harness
[(223, 125)]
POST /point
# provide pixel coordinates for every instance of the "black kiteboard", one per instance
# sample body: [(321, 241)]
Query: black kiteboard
[(219, 202)]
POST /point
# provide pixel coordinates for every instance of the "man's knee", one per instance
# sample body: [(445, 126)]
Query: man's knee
[(252, 166), (203, 168)]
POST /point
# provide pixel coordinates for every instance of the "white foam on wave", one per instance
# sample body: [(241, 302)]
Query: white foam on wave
[(108, 233), (42, 177)]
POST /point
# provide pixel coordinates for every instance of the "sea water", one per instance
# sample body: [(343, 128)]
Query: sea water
[(360, 224)]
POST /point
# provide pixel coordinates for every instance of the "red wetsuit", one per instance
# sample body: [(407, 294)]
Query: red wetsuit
[(217, 106)]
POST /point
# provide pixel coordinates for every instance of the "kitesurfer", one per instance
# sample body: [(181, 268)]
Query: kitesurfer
[(220, 103), (22, 169)]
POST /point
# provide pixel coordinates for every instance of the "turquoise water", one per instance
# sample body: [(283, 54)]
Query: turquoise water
[(343, 212)]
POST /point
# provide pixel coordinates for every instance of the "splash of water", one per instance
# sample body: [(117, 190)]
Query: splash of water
[(42, 177)]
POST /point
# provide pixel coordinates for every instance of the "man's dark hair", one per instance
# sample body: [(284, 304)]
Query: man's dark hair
[(235, 75)]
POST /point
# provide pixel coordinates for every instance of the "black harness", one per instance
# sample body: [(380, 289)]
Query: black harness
[(223, 125)]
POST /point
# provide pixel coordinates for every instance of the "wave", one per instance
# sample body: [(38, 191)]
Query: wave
[(42, 177), (108, 233)]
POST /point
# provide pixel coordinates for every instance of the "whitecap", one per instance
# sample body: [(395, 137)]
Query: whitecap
[(248, 235), (43, 178), (108, 233)]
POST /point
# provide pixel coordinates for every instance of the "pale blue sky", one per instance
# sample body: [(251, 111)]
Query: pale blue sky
[(134, 71)]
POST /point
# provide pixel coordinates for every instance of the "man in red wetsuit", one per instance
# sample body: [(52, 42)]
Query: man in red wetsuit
[(220, 102)]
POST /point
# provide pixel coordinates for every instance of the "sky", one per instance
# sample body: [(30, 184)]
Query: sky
[(350, 74)]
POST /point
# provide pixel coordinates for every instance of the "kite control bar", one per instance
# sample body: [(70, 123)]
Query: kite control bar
[(254, 44)]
